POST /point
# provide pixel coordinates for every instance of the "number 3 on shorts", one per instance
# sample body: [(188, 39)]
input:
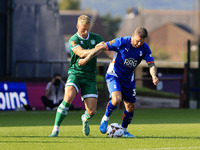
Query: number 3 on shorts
[(134, 92)]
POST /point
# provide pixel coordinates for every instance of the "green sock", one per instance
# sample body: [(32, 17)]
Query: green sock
[(61, 113), (88, 116)]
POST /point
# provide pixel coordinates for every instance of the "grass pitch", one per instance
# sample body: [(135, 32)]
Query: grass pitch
[(156, 129)]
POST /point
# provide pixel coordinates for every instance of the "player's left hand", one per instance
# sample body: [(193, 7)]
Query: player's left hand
[(155, 80), (81, 62), (100, 44)]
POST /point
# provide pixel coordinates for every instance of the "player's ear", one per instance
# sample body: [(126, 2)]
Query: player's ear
[(132, 36)]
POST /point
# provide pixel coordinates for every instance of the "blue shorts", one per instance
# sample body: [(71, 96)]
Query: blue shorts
[(127, 89)]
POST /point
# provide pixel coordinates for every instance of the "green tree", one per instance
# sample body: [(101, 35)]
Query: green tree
[(69, 5), (159, 53), (111, 25)]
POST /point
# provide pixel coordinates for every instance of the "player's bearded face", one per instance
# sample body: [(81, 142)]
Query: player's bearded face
[(83, 30), (137, 41)]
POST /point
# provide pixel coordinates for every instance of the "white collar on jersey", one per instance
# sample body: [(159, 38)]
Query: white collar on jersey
[(83, 38)]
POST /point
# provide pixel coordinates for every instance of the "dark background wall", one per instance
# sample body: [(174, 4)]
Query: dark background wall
[(3, 37), (35, 35)]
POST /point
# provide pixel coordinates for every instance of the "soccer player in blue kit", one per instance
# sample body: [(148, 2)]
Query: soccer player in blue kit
[(129, 52)]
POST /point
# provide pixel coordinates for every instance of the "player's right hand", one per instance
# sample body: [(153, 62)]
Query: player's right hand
[(81, 62), (155, 80)]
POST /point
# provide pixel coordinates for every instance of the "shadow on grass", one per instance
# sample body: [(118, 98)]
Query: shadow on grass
[(98, 137), (46, 139), (59, 137)]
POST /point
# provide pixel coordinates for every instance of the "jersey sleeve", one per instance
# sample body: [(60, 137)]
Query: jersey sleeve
[(73, 43), (148, 56), (115, 44)]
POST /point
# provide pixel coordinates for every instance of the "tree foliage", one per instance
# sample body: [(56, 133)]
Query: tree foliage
[(159, 53), (69, 5), (111, 25)]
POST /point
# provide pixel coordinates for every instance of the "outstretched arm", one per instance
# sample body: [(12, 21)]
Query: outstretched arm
[(153, 72), (81, 52), (78, 50), (93, 53), (110, 54)]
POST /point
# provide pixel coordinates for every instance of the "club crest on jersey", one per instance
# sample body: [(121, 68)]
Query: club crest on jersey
[(130, 62), (93, 42)]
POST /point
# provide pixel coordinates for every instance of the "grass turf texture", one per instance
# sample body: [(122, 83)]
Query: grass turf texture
[(154, 128)]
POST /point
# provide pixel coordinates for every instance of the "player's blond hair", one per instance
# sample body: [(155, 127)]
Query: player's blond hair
[(83, 19)]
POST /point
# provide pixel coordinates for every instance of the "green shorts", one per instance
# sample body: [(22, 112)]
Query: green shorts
[(88, 87)]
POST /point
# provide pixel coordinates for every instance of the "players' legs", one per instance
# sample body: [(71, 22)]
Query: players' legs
[(111, 107), (116, 98), (89, 96), (128, 114), (70, 93), (127, 117), (114, 88), (90, 106)]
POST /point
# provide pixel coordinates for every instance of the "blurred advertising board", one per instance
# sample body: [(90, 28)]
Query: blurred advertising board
[(13, 95)]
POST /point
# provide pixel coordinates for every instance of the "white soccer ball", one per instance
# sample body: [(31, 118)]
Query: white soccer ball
[(115, 130)]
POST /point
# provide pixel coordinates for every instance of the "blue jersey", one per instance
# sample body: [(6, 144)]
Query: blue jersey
[(126, 58)]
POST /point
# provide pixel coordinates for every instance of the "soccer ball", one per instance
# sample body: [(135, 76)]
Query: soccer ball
[(115, 130)]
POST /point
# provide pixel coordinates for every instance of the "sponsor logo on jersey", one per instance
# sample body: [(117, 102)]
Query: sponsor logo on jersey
[(93, 42), (130, 62), (126, 49)]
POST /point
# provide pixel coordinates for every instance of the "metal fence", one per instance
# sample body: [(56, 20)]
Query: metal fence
[(103, 94)]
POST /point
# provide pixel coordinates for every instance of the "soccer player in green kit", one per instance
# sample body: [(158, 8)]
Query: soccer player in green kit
[(84, 77)]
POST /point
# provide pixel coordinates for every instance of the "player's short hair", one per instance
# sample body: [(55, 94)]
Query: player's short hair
[(141, 32), (83, 19)]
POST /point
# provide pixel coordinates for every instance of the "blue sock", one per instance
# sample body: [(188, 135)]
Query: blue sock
[(127, 118), (110, 108)]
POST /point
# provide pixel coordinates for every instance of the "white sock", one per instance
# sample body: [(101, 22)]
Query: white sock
[(56, 128), (84, 118), (125, 129), (105, 118)]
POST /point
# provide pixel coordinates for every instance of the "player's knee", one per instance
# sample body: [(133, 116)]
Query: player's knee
[(91, 112), (116, 100), (131, 107)]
